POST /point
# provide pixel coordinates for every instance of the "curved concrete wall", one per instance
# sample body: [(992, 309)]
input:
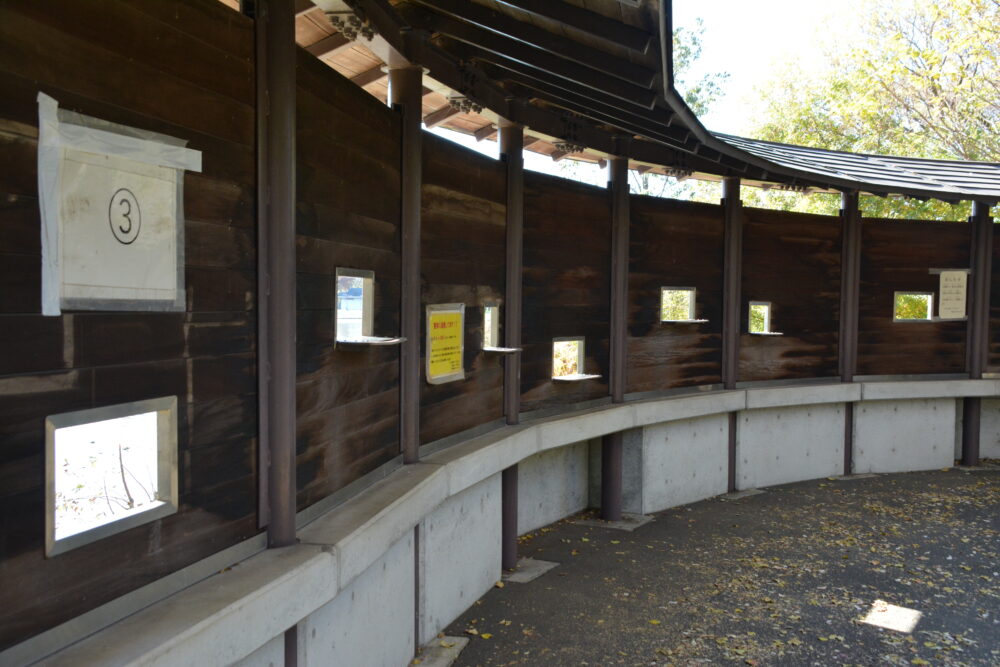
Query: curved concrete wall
[(390, 567)]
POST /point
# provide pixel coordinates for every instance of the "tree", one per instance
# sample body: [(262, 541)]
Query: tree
[(923, 82)]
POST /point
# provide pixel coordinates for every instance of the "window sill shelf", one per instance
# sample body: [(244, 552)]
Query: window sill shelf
[(765, 333), (683, 321), (575, 377), (370, 340), (502, 350)]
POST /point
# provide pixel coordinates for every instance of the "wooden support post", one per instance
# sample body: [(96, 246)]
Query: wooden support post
[(512, 152), (611, 447), (977, 337), (850, 282), (732, 279), (275, 53), (406, 92)]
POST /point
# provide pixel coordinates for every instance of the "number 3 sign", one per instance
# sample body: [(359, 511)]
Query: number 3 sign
[(125, 216), (112, 214)]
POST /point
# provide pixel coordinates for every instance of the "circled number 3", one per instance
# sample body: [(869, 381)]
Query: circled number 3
[(124, 216)]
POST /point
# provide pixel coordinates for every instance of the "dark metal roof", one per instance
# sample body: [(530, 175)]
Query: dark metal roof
[(881, 174)]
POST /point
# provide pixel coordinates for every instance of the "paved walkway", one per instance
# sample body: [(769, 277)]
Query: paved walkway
[(779, 578)]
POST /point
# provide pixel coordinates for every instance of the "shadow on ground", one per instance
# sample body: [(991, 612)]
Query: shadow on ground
[(779, 578)]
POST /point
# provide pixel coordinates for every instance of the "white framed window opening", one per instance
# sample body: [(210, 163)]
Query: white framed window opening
[(491, 327), (759, 321), (355, 304), (912, 306), (568, 356), (677, 304), (108, 470)]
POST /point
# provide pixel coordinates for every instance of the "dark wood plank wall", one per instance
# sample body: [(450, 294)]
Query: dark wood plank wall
[(793, 261), (347, 216), (896, 256), (185, 69), (567, 286), (993, 339), (463, 247), (674, 244)]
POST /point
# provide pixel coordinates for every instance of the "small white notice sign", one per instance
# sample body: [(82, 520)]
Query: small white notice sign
[(952, 295), (112, 215)]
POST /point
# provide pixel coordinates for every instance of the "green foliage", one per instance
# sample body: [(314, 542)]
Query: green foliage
[(699, 93), (923, 82), (912, 306), (675, 304), (758, 318)]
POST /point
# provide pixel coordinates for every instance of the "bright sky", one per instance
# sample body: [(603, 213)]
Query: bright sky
[(752, 39), (749, 40)]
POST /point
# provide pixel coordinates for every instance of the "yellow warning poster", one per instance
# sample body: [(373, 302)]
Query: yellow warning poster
[(445, 342)]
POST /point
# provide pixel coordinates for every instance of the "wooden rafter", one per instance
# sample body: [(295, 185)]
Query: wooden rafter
[(372, 75), (568, 49), (329, 45), (438, 116), (587, 21), (530, 57)]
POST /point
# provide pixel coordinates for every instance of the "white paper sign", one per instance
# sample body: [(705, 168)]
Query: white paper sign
[(952, 295), (112, 222)]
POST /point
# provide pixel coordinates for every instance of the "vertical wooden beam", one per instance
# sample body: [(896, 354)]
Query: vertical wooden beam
[(275, 33), (732, 279), (731, 294), (512, 153), (977, 336), (850, 285), (406, 92), (611, 447)]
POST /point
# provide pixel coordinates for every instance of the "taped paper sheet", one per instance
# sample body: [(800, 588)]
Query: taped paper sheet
[(953, 288), (112, 215), (445, 342)]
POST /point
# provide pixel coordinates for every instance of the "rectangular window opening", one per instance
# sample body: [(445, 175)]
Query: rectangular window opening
[(109, 469), (912, 306), (760, 318), (355, 304), (491, 326), (677, 304), (567, 357)]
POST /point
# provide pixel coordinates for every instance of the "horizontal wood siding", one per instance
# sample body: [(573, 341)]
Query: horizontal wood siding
[(674, 244), (463, 247), (793, 261), (896, 256), (185, 70), (993, 337), (347, 216), (567, 286)]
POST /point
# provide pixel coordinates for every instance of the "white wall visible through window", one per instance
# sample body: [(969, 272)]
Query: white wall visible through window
[(491, 326), (108, 470), (355, 304)]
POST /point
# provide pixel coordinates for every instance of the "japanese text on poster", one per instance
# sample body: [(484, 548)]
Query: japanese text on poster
[(953, 288), (445, 338)]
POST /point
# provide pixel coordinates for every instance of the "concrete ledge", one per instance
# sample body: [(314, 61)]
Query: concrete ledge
[(365, 527), (688, 407), (778, 397), (887, 391), (220, 620)]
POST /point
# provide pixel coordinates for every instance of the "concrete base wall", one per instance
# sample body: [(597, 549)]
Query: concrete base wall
[(389, 567), (989, 443), (789, 444), (459, 555), (370, 622), (552, 485), (901, 436), (684, 461)]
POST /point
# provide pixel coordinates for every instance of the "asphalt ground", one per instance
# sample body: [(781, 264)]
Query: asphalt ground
[(779, 578)]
